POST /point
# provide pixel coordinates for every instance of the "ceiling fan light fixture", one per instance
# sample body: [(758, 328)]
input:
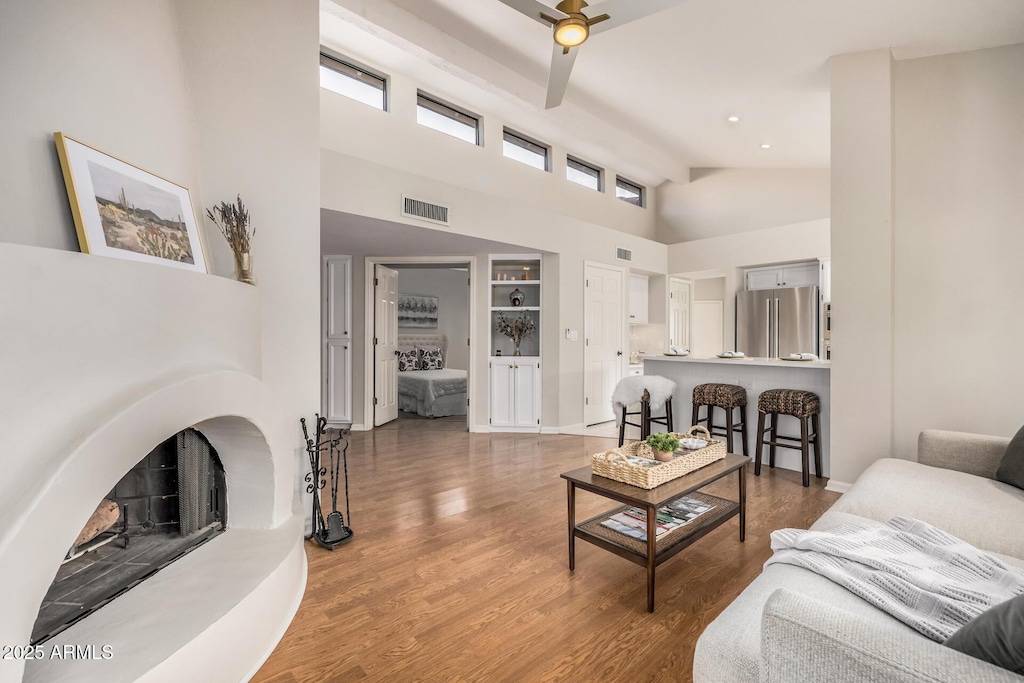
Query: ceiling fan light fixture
[(572, 31)]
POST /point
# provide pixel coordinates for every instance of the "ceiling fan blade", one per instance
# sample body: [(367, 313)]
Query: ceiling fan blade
[(625, 11), (534, 9), (558, 78)]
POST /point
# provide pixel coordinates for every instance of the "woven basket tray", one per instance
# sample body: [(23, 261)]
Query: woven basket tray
[(614, 465)]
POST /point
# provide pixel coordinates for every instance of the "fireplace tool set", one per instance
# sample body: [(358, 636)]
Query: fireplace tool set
[(329, 531)]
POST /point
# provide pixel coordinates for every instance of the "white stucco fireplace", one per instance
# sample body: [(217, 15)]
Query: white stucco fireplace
[(102, 360)]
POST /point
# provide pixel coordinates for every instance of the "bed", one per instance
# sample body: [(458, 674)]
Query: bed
[(431, 393)]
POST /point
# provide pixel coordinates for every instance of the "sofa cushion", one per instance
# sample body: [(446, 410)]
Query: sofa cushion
[(982, 512), (729, 650), (1011, 467), (996, 636)]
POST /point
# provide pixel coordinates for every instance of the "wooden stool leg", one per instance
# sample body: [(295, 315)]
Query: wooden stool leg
[(728, 430), (743, 431), (694, 421), (622, 427), (816, 425), (668, 414), (773, 427), (805, 452), (645, 419), (759, 443)]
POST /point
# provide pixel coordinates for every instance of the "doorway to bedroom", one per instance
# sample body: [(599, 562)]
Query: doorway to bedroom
[(421, 334)]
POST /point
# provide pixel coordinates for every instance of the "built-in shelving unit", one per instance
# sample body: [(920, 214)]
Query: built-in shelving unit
[(515, 380)]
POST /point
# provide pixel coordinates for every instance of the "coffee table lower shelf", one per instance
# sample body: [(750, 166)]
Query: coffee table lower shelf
[(635, 550)]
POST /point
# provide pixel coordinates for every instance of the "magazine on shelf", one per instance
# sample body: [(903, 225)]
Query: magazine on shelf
[(633, 521)]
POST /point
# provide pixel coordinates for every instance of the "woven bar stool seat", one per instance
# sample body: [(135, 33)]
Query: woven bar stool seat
[(721, 395), (728, 397), (789, 402), (805, 406)]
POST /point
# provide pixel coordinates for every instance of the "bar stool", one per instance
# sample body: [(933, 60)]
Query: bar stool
[(803, 405), (728, 397), (650, 391)]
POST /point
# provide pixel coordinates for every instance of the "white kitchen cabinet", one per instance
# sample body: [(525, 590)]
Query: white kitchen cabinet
[(336, 326), (636, 370), (515, 393), (638, 299), (793, 275)]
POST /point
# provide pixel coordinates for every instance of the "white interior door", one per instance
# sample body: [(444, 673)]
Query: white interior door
[(708, 323), (385, 348), (604, 324), (679, 313)]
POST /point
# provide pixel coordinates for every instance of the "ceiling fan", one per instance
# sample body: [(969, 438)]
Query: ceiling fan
[(572, 26)]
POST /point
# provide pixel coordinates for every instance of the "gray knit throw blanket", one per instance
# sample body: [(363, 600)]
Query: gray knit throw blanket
[(931, 581)]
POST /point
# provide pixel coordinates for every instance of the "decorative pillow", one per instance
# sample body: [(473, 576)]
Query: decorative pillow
[(1011, 467), (409, 359), (432, 358), (995, 636)]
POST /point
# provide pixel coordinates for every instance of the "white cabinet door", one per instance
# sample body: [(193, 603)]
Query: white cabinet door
[(800, 275), (527, 393), (337, 279), (638, 299), (336, 326), (763, 279), (503, 399), (339, 388)]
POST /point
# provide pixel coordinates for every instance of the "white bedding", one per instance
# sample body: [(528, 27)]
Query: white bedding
[(433, 393)]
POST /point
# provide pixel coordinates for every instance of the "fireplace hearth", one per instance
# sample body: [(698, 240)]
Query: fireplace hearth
[(173, 501)]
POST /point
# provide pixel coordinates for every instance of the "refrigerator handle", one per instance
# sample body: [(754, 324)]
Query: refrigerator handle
[(777, 353), (768, 328)]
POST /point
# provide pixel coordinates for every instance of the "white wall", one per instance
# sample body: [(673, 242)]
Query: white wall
[(721, 201), (107, 73), (959, 241), (452, 292), (253, 80), (709, 289), (727, 255)]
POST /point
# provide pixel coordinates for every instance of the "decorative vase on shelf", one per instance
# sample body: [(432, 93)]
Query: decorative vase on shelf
[(243, 268), (517, 297), (515, 343)]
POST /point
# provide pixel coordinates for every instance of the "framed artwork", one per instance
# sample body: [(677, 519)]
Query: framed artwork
[(417, 311), (123, 211)]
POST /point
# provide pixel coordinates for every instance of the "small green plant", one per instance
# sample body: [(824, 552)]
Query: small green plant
[(666, 443)]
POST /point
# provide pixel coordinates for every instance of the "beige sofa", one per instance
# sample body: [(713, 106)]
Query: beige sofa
[(791, 625)]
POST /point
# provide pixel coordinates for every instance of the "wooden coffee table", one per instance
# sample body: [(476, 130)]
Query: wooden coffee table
[(653, 551)]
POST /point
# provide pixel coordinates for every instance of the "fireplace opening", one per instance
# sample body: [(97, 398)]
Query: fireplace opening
[(170, 503)]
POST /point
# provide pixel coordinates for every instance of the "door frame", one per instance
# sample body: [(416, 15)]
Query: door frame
[(369, 326), (624, 342)]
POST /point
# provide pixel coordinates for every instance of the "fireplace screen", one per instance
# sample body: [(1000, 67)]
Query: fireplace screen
[(170, 503)]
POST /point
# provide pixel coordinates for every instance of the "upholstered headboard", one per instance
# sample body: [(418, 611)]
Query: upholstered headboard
[(424, 339)]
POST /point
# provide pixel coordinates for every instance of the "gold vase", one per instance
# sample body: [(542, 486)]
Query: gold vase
[(243, 268)]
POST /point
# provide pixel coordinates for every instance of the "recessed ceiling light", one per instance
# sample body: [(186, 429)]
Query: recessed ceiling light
[(734, 119), (766, 146)]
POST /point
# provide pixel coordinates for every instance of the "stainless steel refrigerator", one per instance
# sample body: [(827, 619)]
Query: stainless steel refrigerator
[(773, 323)]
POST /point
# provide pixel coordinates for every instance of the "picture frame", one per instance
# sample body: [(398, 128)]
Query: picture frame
[(415, 310), (127, 212)]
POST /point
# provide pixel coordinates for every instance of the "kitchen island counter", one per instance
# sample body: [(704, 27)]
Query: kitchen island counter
[(755, 375), (746, 360)]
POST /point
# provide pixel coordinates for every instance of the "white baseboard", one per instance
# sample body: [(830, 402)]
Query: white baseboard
[(550, 430), (480, 429), (360, 428), (576, 429), (838, 486)]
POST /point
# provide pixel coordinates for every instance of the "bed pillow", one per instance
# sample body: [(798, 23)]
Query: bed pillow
[(408, 359), (432, 358)]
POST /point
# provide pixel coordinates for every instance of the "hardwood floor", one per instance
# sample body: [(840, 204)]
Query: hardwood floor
[(458, 570)]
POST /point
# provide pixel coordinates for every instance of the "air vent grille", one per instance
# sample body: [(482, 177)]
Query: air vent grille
[(623, 254), (417, 208)]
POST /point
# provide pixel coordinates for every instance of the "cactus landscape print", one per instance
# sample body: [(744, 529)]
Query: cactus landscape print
[(139, 217), (125, 212)]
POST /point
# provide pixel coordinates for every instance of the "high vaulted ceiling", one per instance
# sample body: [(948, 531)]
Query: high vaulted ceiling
[(667, 83)]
